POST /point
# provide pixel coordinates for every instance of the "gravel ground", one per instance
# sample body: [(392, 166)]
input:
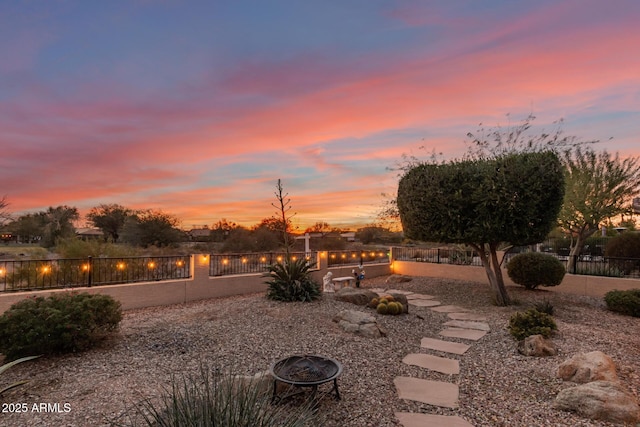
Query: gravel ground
[(498, 387)]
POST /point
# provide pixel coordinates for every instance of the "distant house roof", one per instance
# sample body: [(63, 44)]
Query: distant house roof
[(199, 232), (89, 232)]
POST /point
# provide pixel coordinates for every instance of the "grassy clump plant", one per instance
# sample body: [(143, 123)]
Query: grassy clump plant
[(531, 322), (219, 398), (64, 323), (624, 302), (533, 269), (9, 365), (544, 306)]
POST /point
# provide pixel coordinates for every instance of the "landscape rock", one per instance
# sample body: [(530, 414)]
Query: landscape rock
[(397, 278), (600, 400), (359, 323), (356, 296), (538, 346), (587, 367)]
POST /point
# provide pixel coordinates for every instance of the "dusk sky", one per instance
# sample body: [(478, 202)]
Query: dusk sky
[(197, 108)]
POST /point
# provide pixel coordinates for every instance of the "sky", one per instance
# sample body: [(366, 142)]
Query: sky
[(197, 108)]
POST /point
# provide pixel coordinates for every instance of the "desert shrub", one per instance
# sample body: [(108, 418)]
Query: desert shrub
[(531, 322), (219, 398), (624, 302), (625, 245), (63, 323), (533, 269), (291, 281)]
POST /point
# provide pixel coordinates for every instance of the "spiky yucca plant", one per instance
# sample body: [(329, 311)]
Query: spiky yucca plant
[(291, 280)]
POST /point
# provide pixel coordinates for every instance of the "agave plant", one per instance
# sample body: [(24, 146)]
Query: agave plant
[(291, 280), (10, 364)]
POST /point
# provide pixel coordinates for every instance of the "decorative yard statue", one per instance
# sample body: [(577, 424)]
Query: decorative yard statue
[(358, 275), (327, 282)]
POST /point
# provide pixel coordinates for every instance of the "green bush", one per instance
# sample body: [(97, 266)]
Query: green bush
[(219, 398), (291, 281), (625, 245), (63, 323), (533, 269), (624, 302), (531, 322)]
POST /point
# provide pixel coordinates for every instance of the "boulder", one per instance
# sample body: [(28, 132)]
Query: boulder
[(358, 296), (359, 323), (397, 278), (538, 346), (587, 367), (600, 400)]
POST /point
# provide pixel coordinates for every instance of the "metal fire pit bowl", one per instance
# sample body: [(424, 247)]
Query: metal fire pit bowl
[(306, 371)]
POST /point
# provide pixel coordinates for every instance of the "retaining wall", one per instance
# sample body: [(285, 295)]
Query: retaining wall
[(199, 287), (596, 286)]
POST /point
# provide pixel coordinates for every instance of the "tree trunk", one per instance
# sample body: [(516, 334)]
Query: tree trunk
[(574, 253), (501, 298)]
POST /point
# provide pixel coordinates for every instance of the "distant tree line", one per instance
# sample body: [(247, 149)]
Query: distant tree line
[(147, 228)]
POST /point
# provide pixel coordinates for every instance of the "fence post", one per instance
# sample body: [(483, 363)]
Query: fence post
[(438, 258), (575, 264), (90, 271)]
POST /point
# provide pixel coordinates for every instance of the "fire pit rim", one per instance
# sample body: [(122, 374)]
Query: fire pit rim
[(306, 383)]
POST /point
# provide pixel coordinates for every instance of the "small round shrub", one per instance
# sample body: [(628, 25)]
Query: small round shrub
[(624, 302), (400, 307), (382, 308), (374, 302), (383, 301), (63, 323), (531, 322), (533, 269)]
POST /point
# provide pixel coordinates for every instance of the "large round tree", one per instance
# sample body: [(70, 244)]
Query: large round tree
[(513, 199)]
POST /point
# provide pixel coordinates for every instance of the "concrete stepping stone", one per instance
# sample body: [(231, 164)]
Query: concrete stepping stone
[(467, 316), (444, 346), (465, 324), (437, 393), (467, 334), (434, 363), (377, 290), (410, 419), (398, 291), (450, 309), (419, 296), (423, 302)]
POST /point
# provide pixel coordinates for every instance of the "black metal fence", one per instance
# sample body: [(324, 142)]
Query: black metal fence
[(586, 264), (360, 257), (606, 266), (437, 256), (24, 275), (249, 263)]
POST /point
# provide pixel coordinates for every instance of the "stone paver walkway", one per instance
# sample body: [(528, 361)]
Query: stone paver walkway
[(433, 363), (464, 325), (410, 419), (467, 334)]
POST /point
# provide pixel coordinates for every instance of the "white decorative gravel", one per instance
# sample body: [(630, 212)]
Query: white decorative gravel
[(498, 386)]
